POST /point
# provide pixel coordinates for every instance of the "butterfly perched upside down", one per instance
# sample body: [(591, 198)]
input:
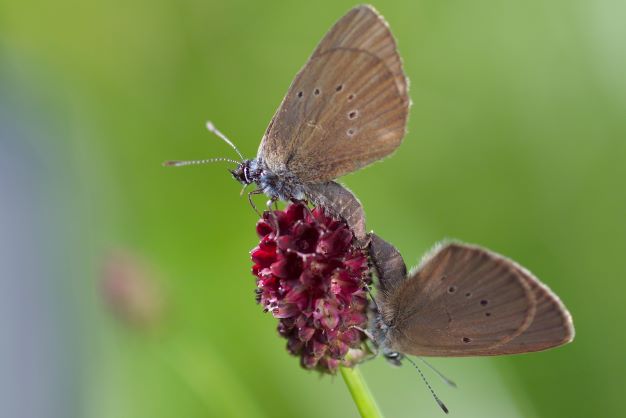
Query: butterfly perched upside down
[(463, 300)]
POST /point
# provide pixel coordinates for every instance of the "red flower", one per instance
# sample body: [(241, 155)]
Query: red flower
[(311, 277)]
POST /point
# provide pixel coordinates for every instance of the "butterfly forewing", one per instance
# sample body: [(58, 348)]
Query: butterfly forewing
[(362, 28), (346, 108), (461, 301)]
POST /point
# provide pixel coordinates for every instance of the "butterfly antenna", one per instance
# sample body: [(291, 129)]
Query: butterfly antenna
[(441, 404), (211, 128), (441, 375), (174, 163)]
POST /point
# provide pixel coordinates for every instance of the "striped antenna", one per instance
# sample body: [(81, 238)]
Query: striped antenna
[(432, 392), (211, 128), (449, 382), (174, 163)]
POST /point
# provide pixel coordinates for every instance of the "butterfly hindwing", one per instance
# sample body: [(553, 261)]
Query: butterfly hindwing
[(464, 300)]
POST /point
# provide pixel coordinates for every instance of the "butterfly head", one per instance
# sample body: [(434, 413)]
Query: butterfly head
[(243, 172), (393, 357)]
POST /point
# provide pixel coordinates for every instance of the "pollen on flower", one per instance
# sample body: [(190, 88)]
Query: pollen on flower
[(311, 278)]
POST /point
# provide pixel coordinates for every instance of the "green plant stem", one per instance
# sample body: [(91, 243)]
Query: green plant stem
[(361, 394)]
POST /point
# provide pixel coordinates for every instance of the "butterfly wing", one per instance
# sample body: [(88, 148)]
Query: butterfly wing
[(467, 301), (552, 324), (346, 108)]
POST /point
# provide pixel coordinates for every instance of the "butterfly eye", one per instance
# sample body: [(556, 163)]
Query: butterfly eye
[(316, 92), (353, 114), (350, 132), (484, 302), (351, 97), (339, 87), (299, 94), (452, 289), (467, 340)]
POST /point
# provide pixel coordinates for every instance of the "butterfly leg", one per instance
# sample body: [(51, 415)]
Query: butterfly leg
[(367, 288), (273, 200), (250, 194), (366, 333), (370, 343), (306, 208)]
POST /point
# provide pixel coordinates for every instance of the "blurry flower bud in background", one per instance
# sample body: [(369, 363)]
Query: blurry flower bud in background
[(131, 290)]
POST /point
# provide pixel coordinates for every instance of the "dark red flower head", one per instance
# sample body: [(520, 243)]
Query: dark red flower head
[(311, 277)]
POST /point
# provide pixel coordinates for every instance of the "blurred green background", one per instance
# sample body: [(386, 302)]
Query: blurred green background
[(517, 141)]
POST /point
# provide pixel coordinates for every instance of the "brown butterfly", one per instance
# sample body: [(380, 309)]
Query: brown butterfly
[(345, 109), (462, 300)]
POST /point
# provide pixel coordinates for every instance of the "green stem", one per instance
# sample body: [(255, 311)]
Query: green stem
[(360, 393)]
